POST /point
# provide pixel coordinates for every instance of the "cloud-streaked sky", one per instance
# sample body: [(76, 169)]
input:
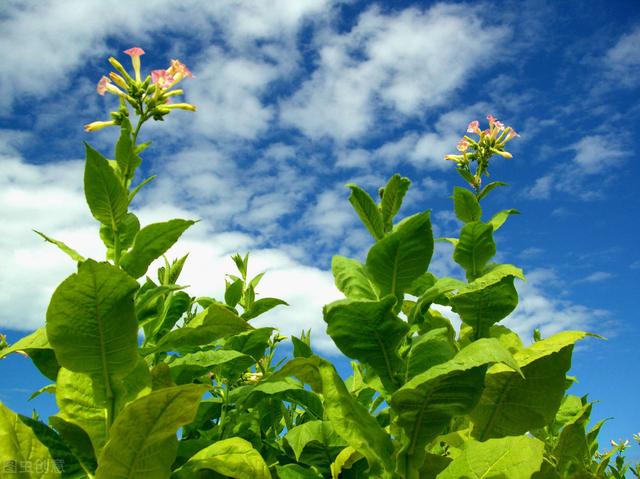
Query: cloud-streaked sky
[(297, 98)]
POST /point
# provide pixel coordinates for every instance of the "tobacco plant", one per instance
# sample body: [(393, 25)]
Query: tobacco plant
[(151, 382)]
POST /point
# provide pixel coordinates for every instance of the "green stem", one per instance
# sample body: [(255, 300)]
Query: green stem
[(116, 246)]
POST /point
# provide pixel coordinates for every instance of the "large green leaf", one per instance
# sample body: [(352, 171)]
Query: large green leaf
[(572, 449), (485, 301), (19, 446), (296, 471), (262, 306), (91, 323), (252, 343), (392, 197), (150, 243), (511, 457), (394, 262), (78, 442), (190, 366), (475, 248), (213, 323), (428, 350), (351, 278), (321, 432), (37, 347), (105, 194), (142, 442), (350, 419), (511, 404), (369, 332), (367, 210), (286, 389), (425, 405), (232, 457), (466, 205)]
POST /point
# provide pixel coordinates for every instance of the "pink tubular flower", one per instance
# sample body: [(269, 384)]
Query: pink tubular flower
[(162, 79), (135, 53), (499, 125), (463, 145), (179, 70), (491, 119), (102, 86), (512, 133), (474, 127)]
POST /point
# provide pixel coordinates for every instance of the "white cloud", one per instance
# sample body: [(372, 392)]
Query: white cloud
[(623, 59), (402, 63), (596, 277)]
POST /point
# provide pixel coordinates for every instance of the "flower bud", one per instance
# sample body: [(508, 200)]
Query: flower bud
[(98, 125)]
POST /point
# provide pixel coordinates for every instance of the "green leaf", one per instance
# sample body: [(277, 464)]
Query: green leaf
[(499, 218), (49, 388), (483, 303), (421, 284), (127, 231), (190, 366), (295, 471), (369, 332), (142, 441), (321, 432), (435, 292), (466, 205), (433, 348), (367, 210), (125, 155), (37, 347), (232, 457), (60, 452), (135, 191), (78, 442), (262, 306), (152, 242), (106, 197), (233, 293), (19, 445), (396, 261), (300, 348), (512, 457), (213, 323), (286, 390), (475, 248), (511, 404), (350, 419), (488, 188), (252, 343), (91, 323), (392, 197), (347, 458), (426, 404), (351, 278), (73, 254)]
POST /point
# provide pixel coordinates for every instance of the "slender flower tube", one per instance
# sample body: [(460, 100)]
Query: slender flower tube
[(98, 125), (135, 53), (180, 106), (104, 85)]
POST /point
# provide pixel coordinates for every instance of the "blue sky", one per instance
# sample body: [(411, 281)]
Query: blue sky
[(295, 99)]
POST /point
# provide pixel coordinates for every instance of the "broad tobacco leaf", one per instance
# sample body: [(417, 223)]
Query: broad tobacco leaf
[(351, 278), (321, 432), (511, 457), (150, 243), (232, 457), (425, 405), (367, 210), (37, 347), (20, 445), (465, 205), (369, 332), (142, 441), (475, 248), (91, 323), (349, 418), (511, 404), (394, 262), (394, 193)]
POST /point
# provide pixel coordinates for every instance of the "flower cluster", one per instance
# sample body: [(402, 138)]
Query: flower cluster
[(150, 98), (491, 141)]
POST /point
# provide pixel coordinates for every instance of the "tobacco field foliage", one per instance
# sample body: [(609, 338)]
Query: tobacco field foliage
[(151, 382)]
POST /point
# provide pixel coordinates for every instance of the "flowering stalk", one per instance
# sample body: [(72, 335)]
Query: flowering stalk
[(490, 142)]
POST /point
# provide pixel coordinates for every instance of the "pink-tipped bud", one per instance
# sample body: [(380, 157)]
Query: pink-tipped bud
[(474, 127)]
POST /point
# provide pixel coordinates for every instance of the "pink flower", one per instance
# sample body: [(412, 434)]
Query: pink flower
[(491, 119), (134, 52), (499, 125), (512, 133), (162, 79), (102, 85), (179, 70), (463, 145), (474, 127)]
